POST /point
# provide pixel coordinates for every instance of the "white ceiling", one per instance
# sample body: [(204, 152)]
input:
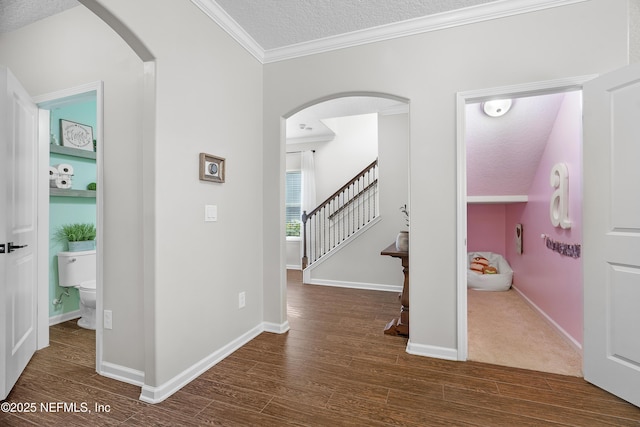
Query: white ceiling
[(503, 153), (277, 23), (16, 14), (307, 125), (273, 23)]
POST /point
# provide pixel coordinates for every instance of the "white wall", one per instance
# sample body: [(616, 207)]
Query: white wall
[(354, 146), (428, 69), (207, 89), (359, 263), (208, 99), (634, 31), (68, 50)]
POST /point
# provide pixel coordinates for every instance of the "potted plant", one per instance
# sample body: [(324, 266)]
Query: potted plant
[(81, 236), (402, 240)]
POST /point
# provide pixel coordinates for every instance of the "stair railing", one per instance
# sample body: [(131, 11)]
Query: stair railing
[(343, 213)]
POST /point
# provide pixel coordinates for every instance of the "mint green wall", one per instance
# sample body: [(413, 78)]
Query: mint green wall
[(63, 209), (80, 112)]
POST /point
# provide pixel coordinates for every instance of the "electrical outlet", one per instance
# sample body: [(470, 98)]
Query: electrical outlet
[(241, 300), (108, 319)]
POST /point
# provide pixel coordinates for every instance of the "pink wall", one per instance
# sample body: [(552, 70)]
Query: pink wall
[(552, 281), (486, 228)]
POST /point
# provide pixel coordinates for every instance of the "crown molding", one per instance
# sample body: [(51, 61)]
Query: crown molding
[(469, 15), (228, 24)]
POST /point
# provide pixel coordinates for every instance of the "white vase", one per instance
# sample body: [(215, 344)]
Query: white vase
[(402, 241)]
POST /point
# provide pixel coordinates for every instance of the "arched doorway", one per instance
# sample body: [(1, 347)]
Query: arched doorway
[(328, 131)]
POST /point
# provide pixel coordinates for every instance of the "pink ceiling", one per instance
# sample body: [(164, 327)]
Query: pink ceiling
[(503, 153)]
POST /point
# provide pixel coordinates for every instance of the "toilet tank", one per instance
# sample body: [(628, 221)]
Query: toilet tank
[(76, 267)]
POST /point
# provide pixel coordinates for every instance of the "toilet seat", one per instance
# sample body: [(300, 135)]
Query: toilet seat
[(89, 285)]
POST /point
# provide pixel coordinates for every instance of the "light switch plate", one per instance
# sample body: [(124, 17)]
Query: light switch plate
[(210, 213)]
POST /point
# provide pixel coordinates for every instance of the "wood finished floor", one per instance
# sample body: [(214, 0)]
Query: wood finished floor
[(333, 368)]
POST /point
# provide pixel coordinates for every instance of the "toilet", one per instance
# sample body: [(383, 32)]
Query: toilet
[(78, 270)]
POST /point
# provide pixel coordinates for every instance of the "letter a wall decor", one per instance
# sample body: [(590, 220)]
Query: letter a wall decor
[(560, 197)]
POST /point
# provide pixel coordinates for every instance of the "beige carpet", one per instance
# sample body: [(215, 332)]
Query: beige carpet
[(504, 330)]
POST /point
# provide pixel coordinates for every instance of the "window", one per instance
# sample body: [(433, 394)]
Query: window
[(293, 202)]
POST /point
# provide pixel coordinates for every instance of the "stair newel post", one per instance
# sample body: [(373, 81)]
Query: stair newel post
[(305, 259)]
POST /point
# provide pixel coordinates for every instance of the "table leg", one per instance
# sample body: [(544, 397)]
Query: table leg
[(400, 325)]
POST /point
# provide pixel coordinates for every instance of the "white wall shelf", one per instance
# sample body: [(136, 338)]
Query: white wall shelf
[(70, 151), (497, 199)]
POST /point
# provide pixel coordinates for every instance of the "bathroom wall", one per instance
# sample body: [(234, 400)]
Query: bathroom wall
[(553, 282), (66, 210)]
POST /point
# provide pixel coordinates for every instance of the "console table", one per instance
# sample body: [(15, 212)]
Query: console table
[(400, 325)]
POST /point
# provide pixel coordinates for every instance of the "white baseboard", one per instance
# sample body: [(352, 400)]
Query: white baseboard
[(61, 318), (294, 267), (122, 373), (275, 327), (570, 340), (432, 351), (157, 394), (355, 285)]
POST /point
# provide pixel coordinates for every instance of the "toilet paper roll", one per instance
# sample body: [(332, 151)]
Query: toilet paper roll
[(53, 173), (63, 181), (65, 168)]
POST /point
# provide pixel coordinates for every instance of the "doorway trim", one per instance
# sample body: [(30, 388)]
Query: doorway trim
[(46, 102), (462, 99)]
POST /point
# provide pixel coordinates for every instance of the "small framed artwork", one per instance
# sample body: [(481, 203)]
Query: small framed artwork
[(76, 135), (212, 168), (519, 239)]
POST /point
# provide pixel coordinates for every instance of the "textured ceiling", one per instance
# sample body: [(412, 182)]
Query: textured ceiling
[(307, 124), (278, 23), (503, 153), (15, 14)]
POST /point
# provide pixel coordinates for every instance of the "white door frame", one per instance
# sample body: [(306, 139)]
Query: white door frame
[(464, 98), (45, 102)]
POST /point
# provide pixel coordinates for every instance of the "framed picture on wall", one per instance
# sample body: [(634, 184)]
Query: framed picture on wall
[(212, 168), (76, 135), (519, 239)]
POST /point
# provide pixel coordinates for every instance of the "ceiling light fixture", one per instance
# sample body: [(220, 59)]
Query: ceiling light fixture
[(496, 107)]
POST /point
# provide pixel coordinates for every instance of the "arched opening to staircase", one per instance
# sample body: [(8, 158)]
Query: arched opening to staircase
[(347, 160)]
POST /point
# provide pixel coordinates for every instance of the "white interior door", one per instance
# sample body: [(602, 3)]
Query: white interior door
[(611, 228), (18, 230)]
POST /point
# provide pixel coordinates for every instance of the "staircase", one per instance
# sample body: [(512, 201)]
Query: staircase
[(340, 216)]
